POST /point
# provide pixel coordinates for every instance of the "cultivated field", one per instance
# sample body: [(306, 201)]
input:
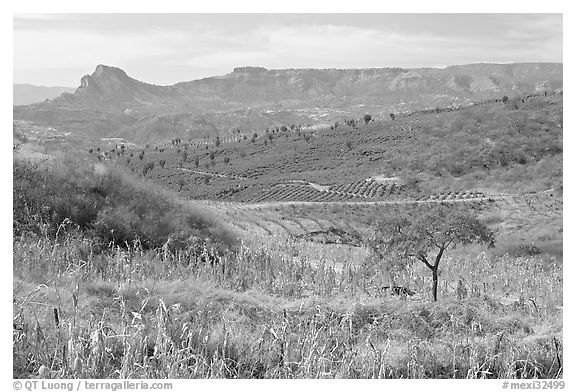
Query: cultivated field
[(297, 253)]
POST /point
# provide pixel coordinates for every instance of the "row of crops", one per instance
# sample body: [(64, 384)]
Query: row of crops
[(299, 192), (369, 189), (357, 191), (453, 195)]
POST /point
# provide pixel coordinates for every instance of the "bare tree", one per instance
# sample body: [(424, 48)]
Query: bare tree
[(425, 233)]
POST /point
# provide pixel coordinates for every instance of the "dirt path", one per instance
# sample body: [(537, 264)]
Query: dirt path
[(239, 206), (213, 174), (275, 204)]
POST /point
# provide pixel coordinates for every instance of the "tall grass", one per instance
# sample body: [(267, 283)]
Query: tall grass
[(265, 313)]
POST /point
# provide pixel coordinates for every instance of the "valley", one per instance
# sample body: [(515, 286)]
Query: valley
[(283, 223)]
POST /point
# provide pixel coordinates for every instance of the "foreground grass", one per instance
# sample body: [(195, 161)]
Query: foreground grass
[(274, 311)]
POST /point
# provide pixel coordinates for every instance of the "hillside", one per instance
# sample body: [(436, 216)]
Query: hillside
[(513, 146), (109, 103)]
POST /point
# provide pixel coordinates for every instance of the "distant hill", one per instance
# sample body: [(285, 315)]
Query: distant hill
[(109, 103), (25, 94)]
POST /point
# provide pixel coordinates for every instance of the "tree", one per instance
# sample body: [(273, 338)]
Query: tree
[(181, 183), (505, 99), (147, 167), (367, 118), (425, 233), (392, 116)]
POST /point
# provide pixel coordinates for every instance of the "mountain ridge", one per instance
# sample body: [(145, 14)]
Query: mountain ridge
[(108, 102)]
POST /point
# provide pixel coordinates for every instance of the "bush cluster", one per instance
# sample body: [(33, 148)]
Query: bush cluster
[(106, 204)]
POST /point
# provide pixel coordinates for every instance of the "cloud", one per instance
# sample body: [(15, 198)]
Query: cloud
[(170, 48), (56, 48)]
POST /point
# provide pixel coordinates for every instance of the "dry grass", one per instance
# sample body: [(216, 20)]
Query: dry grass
[(277, 310)]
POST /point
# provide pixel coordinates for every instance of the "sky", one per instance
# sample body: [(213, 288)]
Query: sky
[(58, 49)]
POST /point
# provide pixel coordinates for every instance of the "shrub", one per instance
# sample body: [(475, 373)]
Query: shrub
[(147, 168), (525, 250), (108, 205)]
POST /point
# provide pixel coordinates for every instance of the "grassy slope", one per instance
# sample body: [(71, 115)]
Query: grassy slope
[(105, 204)]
